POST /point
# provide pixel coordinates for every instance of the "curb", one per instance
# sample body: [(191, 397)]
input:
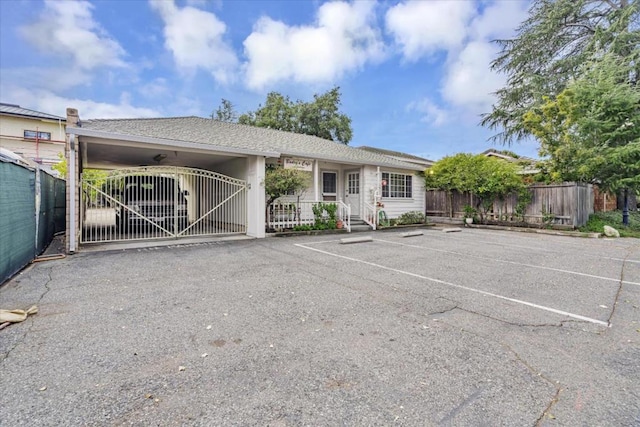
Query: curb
[(567, 233)]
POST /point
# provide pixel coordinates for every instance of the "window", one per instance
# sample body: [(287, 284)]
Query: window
[(329, 183), (33, 134), (398, 185)]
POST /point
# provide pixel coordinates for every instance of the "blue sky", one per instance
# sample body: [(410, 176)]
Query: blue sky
[(414, 75)]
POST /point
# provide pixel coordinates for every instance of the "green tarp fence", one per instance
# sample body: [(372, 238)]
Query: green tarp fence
[(32, 210)]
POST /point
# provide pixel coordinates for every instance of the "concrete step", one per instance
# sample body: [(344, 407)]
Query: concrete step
[(360, 228)]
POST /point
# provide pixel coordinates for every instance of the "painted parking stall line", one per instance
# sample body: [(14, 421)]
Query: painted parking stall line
[(539, 249), (558, 270), (466, 288)]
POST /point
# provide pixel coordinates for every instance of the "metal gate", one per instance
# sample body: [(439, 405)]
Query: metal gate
[(159, 202)]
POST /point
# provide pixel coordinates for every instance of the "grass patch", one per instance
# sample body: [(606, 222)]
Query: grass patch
[(598, 220)]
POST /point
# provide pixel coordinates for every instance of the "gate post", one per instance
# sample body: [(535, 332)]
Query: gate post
[(255, 197), (73, 166)]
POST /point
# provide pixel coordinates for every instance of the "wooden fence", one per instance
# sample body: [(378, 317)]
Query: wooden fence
[(567, 204)]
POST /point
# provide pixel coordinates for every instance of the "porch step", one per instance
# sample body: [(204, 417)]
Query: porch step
[(360, 227)]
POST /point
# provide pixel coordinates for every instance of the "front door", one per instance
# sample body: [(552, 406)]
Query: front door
[(352, 193)]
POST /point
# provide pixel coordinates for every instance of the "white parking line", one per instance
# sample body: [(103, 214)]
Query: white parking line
[(559, 270), (466, 288), (537, 248)]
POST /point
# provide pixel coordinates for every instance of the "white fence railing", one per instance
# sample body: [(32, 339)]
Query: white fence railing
[(370, 215), (288, 215)]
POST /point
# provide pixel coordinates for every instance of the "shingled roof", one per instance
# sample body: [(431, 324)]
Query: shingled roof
[(398, 154), (16, 110), (214, 133)]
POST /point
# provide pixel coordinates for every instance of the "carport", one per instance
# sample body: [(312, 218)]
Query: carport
[(158, 183)]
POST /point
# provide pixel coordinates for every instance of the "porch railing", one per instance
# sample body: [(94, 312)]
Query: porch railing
[(287, 215), (370, 215)]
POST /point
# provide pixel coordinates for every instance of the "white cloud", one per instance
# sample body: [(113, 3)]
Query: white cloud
[(425, 27), (464, 30), (196, 40), (469, 82), (56, 79), (156, 88), (499, 20), (44, 100), (344, 38), (433, 114), (67, 29)]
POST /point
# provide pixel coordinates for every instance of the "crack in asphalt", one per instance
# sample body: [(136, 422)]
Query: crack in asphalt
[(619, 291), (555, 384), (29, 319), (546, 411)]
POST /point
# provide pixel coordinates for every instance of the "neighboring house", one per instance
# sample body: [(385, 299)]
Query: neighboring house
[(220, 170), (528, 165), (36, 136)]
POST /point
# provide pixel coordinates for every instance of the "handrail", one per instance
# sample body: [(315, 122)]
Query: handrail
[(344, 214), (370, 215)]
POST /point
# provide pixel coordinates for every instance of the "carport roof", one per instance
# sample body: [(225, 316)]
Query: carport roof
[(232, 137)]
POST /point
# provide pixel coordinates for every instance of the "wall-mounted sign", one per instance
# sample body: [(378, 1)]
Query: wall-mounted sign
[(300, 164)]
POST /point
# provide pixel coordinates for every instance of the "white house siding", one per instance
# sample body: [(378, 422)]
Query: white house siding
[(394, 207), (370, 183), (308, 195)]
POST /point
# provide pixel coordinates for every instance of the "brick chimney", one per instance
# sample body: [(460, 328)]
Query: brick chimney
[(72, 117)]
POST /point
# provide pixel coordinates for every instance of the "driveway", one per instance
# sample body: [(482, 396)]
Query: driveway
[(472, 328)]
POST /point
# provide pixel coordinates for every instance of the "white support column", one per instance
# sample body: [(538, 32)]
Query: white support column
[(73, 179), (316, 179), (72, 186), (256, 201)]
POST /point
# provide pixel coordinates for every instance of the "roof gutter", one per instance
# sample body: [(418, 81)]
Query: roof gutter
[(399, 165), (168, 142)]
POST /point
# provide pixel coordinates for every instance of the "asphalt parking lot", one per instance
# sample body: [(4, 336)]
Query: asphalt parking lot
[(472, 328)]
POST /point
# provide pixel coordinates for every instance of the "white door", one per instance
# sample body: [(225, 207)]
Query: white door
[(352, 193)]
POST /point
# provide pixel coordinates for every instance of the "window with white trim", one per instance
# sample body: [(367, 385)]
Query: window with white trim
[(34, 134), (398, 185)]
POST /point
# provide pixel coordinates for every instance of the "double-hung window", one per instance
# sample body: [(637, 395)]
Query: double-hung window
[(398, 185)]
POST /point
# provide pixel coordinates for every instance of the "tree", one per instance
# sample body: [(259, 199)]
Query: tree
[(279, 181), (488, 178), (320, 117), (549, 49), (61, 166), (278, 112), (591, 130), (225, 112)]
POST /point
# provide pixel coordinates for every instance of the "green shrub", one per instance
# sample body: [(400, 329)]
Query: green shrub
[(322, 221), (414, 217), (598, 220), (302, 228)]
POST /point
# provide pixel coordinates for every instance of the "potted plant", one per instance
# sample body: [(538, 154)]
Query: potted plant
[(469, 213)]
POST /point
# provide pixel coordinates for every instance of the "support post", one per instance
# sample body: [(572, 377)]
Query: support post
[(256, 200), (625, 210)]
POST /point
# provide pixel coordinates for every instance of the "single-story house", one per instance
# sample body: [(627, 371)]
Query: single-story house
[(209, 178)]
